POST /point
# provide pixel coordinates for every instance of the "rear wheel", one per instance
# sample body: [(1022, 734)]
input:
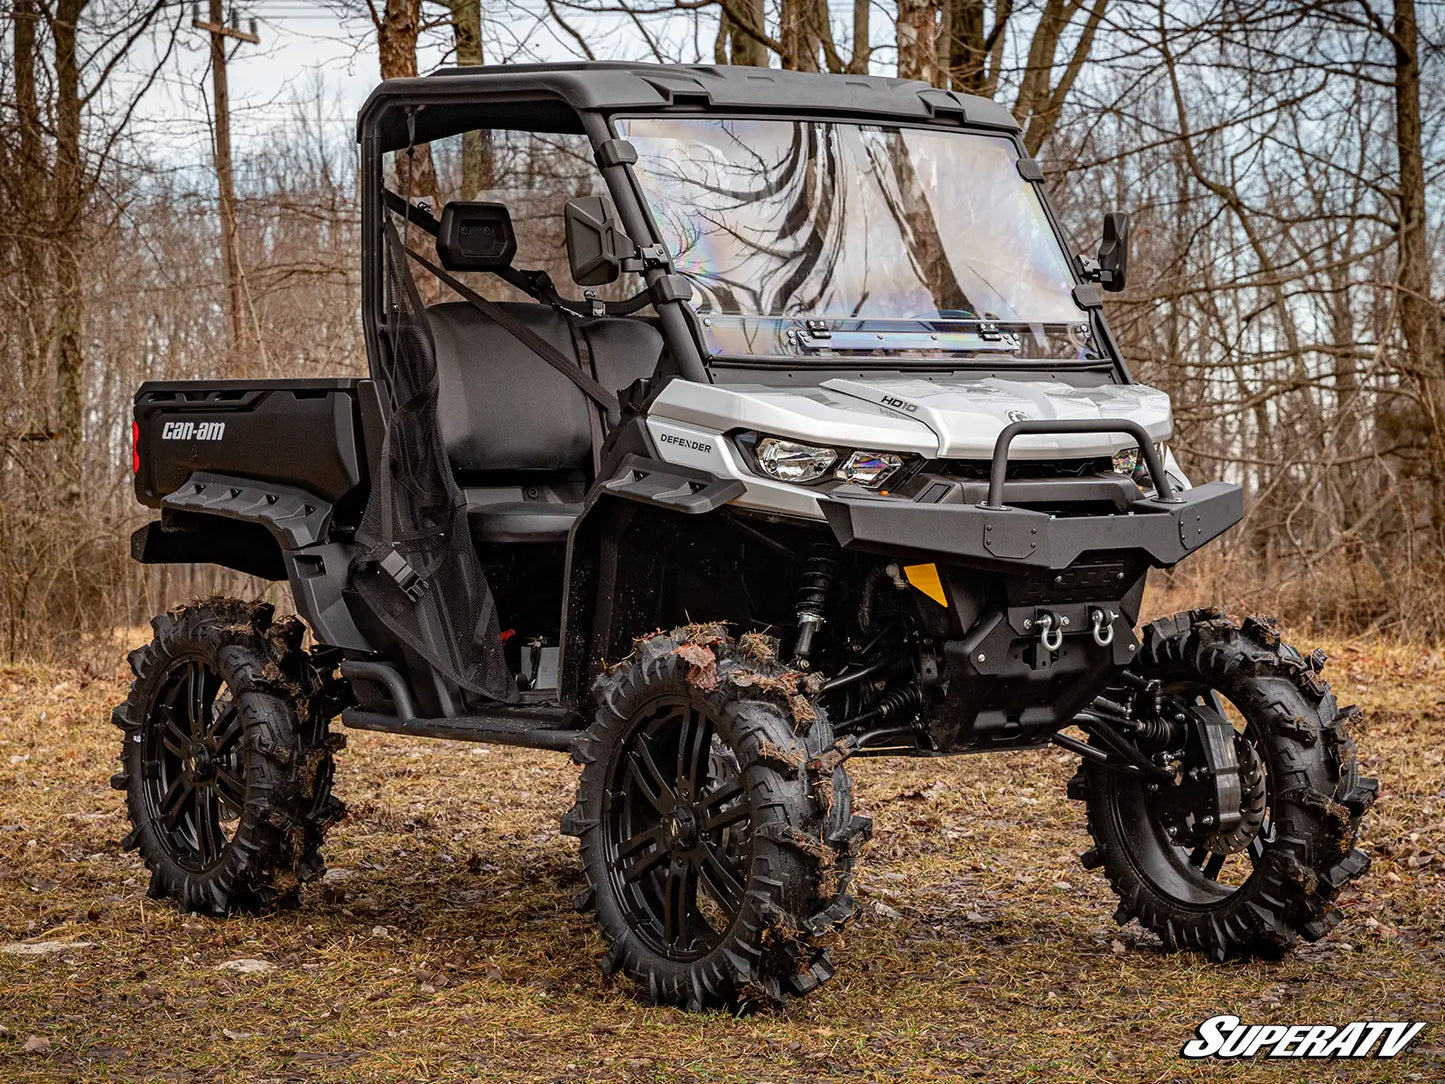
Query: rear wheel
[(226, 762), (1256, 888), (716, 826)]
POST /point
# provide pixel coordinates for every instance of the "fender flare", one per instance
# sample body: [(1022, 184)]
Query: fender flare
[(593, 558), (298, 523)]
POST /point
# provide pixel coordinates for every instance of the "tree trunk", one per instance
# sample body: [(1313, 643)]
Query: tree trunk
[(29, 193), (963, 53), (238, 316), (998, 37), (476, 146), (69, 188), (799, 35), (745, 48), (917, 40), (1041, 101), (1420, 317), (396, 34), (862, 48)]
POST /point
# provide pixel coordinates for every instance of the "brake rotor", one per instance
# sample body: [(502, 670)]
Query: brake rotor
[(1252, 801)]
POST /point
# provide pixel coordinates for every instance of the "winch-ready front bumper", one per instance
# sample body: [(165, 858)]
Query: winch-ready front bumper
[(1019, 538), (1036, 609), (1165, 527)]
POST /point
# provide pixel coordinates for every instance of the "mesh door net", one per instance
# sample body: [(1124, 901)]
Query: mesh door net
[(415, 566)]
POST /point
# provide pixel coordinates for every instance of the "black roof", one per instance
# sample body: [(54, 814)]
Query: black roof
[(547, 97)]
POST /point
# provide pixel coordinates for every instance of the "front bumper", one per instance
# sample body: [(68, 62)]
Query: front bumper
[(1020, 538), (1164, 528)]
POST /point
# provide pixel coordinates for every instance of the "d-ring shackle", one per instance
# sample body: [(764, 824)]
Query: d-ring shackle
[(1051, 632), (1103, 626)]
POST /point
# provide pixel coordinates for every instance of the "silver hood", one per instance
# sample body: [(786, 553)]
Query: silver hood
[(967, 416), (949, 417)]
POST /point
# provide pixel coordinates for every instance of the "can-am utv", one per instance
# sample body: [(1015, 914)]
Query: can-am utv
[(828, 398)]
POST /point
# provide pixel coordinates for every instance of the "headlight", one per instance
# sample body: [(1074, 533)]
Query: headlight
[(790, 461), (1130, 462), (870, 469)]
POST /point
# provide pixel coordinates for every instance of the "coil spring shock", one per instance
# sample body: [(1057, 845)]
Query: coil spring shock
[(813, 601), (1155, 733)]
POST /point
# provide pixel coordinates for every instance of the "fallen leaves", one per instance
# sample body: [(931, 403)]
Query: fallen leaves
[(403, 963), (701, 665)]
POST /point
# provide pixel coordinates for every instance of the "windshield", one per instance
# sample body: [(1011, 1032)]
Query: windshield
[(833, 222)]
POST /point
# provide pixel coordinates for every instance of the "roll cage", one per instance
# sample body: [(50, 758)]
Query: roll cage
[(585, 99)]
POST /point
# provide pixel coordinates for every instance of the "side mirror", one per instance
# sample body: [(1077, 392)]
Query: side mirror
[(1114, 252), (596, 245)]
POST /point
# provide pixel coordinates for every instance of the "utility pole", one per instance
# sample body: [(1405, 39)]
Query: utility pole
[(236, 324)]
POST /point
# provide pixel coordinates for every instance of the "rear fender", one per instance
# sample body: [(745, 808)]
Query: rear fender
[(262, 529)]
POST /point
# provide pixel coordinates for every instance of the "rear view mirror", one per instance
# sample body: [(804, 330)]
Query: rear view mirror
[(1114, 252), (596, 245)]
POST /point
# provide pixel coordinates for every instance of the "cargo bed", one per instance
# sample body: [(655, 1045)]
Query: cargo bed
[(309, 434)]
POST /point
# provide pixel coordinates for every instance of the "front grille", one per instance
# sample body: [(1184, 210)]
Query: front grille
[(978, 469)]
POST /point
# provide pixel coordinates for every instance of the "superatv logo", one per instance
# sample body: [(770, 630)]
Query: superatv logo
[(193, 430), (1226, 1037), (900, 404)]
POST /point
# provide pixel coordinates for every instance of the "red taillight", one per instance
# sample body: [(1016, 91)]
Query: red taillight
[(135, 447)]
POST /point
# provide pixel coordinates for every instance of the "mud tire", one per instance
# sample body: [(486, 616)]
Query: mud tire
[(283, 755), (802, 837), (1316, 799)]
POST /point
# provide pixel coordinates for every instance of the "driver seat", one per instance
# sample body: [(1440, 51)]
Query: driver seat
[(519, 433)]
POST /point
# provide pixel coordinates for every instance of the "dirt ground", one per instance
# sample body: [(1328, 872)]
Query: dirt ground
[(443, 944)]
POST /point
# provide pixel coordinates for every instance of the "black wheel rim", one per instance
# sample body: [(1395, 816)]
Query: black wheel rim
[(1192, 876), (194, 779), (676, 828)]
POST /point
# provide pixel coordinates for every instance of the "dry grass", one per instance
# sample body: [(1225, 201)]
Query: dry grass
[(449, 950)]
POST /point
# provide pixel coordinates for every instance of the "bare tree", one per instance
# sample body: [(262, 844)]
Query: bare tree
[(398, 25)]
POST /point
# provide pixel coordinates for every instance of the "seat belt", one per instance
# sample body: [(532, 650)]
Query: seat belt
[(525, 335)]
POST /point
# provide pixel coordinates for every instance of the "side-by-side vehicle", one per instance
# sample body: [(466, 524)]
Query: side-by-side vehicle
[(722, 425)]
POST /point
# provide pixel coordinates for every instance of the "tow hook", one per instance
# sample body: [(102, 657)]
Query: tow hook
[(1103, 626)]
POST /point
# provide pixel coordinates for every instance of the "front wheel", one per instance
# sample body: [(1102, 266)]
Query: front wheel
[(715, 820), (1272, 878)]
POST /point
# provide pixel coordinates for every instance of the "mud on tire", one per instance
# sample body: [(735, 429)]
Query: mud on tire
[(226, 762), (1316, 798), (757, 929)]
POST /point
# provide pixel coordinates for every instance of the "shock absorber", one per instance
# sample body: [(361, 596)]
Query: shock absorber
[(812, 601)]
